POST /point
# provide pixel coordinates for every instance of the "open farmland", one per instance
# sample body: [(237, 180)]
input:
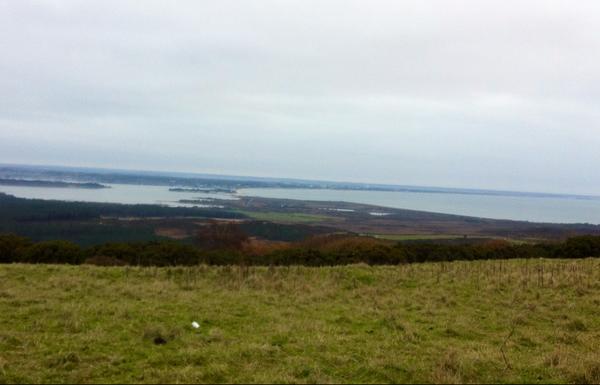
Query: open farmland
[(480, 321)]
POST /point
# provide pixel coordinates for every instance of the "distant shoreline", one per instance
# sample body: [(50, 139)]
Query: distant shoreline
[(203, 190), (181, 181), (54, 184)]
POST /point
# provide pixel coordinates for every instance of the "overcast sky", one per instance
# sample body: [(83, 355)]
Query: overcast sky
[(484, 94)]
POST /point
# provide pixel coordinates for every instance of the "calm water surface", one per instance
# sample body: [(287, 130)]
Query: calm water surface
[(118, 193), (522, 208), (535, 209)]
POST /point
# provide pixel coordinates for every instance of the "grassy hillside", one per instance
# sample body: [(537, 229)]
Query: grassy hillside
[(507, 321)]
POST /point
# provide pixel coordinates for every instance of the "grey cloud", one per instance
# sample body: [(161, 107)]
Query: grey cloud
[(491, 94)]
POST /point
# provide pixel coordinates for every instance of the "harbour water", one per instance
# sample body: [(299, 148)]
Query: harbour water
[(565, 209), (117, 193), (554, 209)]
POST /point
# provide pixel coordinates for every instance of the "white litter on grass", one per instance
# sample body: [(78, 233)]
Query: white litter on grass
[(195, 325)]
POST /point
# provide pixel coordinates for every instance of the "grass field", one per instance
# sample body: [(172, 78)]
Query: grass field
[(285, 217), (486, 321), (438, 237), (415, 237)]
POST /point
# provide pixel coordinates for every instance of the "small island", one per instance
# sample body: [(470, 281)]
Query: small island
[(47, 183)]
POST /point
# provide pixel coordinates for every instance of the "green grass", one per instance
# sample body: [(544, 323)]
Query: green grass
[(440, 322), (414, 237), (433, 237), (273, 216)]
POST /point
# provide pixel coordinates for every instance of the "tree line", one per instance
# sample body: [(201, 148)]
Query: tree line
[(316, 251), (37, 210)]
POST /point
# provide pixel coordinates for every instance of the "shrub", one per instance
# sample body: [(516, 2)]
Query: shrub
[(53, 252), (11, 247), (319, 251)]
